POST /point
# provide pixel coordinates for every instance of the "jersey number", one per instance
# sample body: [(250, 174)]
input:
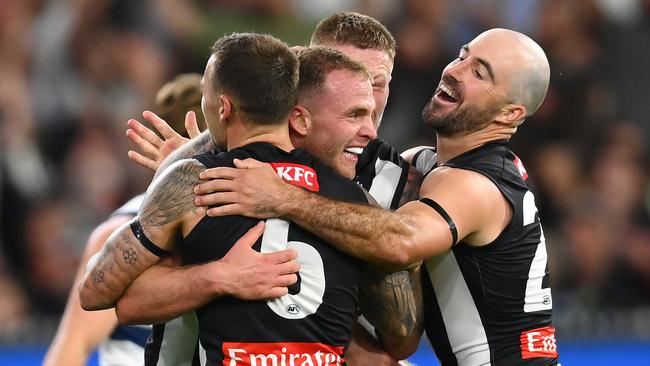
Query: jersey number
[(537, 298), (312, 273)]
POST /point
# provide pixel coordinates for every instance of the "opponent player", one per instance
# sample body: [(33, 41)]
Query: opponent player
[(254, 112), (80, 332), (487, 296)]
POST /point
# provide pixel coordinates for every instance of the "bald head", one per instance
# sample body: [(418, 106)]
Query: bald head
[(524, 64)]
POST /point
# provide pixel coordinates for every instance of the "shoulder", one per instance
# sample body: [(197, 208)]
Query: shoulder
[(333, 185), (178, 180), (460, 184), (471, 199), (184, 170)]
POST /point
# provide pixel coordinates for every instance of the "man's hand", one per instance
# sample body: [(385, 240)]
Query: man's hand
[(154, 149), (252, 189), (250, 275)]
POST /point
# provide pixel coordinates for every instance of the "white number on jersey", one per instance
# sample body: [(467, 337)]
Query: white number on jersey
[(537, 298), (312, 273)]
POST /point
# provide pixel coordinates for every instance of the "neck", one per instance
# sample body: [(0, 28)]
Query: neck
[(448, 147), (241, 134)]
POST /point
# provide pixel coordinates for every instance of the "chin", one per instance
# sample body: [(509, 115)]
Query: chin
[(347, 173)]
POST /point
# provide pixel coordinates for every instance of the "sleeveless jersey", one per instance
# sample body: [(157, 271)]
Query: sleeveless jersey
[(125, 346), (383, 173), (311, 324), (492, 305)]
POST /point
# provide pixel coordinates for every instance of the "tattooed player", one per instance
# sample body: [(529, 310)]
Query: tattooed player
[(251, 114)]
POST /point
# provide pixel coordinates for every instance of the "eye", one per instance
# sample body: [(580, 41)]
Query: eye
[(477, 73)]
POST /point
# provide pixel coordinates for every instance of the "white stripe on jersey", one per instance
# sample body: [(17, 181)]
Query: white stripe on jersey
[(179, 341), (203, 355), (385, 182), (467, 336), (113, 352)]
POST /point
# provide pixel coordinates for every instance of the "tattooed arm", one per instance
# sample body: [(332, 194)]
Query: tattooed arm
[(392, 302), (166, 211), (200, 144)]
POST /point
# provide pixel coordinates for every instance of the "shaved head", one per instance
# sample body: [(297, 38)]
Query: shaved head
[(500, 77), (529, 71)]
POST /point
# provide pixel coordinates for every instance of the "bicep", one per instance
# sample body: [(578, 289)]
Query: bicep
[(429, 232), (169, 201), (469, 199)]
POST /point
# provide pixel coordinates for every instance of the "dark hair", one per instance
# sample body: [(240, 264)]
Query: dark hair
[(355, 29), (259, 72), (178, 96), (317, 62)]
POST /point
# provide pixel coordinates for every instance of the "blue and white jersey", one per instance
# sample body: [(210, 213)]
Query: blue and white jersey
[(125, 346)]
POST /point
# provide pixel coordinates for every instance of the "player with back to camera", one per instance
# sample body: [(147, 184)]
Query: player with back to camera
[(255, 125)]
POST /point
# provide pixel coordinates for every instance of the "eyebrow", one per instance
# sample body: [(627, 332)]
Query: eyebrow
[(360, 110), (483, 62)]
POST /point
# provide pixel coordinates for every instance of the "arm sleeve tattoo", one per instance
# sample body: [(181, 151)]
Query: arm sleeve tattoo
[(200, 144), (123, 258), (171, 195), (392, 302)]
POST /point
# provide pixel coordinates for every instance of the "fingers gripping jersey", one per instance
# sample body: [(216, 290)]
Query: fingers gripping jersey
[(311, 324), (492, 305), (383, 173)]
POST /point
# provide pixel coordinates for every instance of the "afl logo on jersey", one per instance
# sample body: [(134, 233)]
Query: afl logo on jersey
[(292, 309)]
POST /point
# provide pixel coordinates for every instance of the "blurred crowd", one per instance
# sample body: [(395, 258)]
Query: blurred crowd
[(73, 71)]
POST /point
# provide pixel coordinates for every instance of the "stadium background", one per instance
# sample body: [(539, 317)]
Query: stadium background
[(73, 71)]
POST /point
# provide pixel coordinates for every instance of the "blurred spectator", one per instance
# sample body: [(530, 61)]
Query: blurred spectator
[(73, 71)]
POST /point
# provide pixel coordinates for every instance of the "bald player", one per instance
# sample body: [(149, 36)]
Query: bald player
[(486, 281)]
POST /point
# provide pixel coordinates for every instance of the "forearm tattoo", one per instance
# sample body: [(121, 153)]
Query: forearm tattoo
[(393, 302)]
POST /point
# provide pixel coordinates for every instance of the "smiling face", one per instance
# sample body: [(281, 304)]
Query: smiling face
[(477, 86), (341, 124), (380, 66)]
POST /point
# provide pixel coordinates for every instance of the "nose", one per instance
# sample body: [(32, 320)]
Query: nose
[(456, 68), (367, 129)]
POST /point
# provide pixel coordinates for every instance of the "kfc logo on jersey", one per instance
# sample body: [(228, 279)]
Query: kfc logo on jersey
[(281, 354), (538, 342), (298, 175), (520, 168)]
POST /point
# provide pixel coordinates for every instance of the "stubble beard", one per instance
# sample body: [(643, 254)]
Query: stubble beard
[(465, 119)]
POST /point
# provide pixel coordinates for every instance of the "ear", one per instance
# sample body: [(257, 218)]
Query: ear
[(225, 108), (512, 115), (300, 121)]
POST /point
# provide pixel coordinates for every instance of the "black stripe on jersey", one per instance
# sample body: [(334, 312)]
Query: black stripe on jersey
[(439, 339), (152, 348), (380, 151)]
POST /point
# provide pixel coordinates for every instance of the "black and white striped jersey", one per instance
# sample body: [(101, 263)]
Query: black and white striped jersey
[(492, 305), (311, 325), (383, 173)]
